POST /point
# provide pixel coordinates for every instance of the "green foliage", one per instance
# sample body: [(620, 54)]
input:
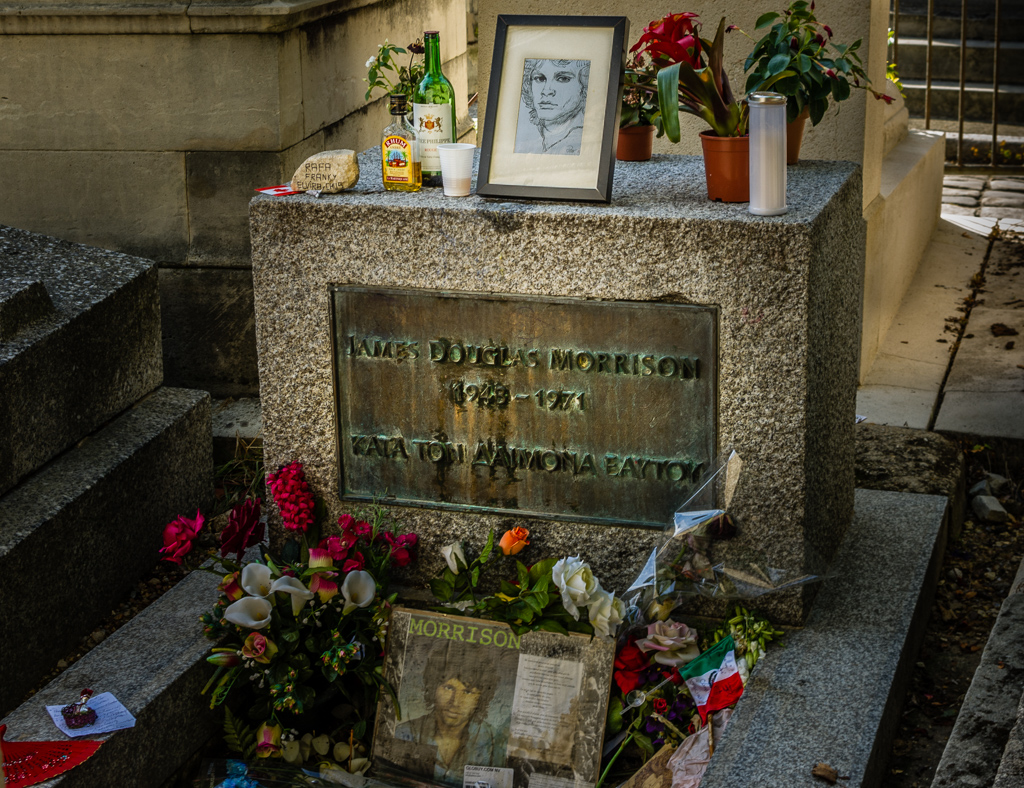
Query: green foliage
[(240, 477), (751, 632), (798, 59), (640, 95), (238, 736), (387, 74)]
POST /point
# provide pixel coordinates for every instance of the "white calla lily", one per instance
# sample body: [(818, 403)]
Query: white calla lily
[(299, 593), (450, 552), (358, 589), (252, 612), (256, 579)]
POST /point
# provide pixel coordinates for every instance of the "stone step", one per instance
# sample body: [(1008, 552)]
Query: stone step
[(833, 693), (913, 56), (981, 736), (235, 420), (76, 536), (155, 665), (71, 368), (977, 100)]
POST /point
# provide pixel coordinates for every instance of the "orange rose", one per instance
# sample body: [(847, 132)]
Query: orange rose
[(514, 541)]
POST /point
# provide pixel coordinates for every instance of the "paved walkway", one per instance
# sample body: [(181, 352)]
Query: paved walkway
[(953, 358), (991, 197)]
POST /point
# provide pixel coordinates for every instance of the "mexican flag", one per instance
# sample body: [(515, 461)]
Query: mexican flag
[(713, 678)]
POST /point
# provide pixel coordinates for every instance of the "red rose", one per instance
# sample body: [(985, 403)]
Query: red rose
[(178, 536), (628, 663), (244, 528), (660, 705)]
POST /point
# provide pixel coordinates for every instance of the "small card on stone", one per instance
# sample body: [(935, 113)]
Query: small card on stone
[(111, 715)]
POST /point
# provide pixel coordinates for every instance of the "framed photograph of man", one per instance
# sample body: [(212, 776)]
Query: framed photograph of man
[(553, 106), (479, 706)]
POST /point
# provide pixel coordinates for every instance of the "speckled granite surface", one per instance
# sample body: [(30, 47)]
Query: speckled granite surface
[(156, 666), (788, 289), (66, 371), (833, 694), (92, 522)]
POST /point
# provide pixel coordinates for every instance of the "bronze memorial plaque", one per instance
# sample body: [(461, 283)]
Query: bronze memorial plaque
[(603, 411)]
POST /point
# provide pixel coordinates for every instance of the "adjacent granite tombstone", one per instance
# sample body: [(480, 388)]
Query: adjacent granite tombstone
[(570, 368), (95, 456)]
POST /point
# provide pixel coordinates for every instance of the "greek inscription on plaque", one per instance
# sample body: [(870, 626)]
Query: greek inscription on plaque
[(602, 411)]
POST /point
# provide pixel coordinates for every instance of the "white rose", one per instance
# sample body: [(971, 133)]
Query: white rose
[(576, 582), (606, 612), (450, 553)]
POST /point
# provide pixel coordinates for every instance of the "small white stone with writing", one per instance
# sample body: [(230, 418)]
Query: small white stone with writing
[(331, 171)]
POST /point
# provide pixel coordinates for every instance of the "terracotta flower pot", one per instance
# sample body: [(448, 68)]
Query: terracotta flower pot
[(795, 135), (726, 167), (635, 143)]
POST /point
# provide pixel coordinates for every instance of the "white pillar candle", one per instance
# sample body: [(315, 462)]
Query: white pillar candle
[(767, 153)]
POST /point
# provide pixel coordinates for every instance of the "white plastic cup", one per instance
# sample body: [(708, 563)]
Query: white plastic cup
[(767, 153), (456, 167)]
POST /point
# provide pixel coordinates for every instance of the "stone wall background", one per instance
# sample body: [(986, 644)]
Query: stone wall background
[(145, 127)]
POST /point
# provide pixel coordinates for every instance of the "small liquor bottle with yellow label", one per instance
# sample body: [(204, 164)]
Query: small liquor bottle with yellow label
[(400, 157)]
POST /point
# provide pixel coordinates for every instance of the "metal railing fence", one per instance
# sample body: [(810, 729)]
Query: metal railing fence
[(962, 88)]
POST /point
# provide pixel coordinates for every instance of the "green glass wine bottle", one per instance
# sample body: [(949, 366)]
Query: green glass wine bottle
[(433, 110)]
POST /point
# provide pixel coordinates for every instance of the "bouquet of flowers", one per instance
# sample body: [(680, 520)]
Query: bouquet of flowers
[(666, 687), (300, 639), (551, 595)]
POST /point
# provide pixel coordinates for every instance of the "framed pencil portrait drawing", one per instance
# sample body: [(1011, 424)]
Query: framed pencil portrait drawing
[(553, 106), (478, 705)]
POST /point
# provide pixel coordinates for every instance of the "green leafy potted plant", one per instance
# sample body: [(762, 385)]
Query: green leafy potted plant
[(692, 79), (798, 58), (641, 117)]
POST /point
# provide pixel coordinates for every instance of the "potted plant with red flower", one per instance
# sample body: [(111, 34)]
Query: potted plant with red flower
[(692, 79)]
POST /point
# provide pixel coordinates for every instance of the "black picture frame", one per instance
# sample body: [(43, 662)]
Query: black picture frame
[(564, 169)]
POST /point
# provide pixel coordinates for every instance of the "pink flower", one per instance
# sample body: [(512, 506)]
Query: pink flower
[(338, 546), (827, 29), (830, 74), (259, 648), (268, 741), (292, 496), (730, 28), (178, 536), (674, 643), (793, 43), (322, 585), (363, 528), (244, 528)]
